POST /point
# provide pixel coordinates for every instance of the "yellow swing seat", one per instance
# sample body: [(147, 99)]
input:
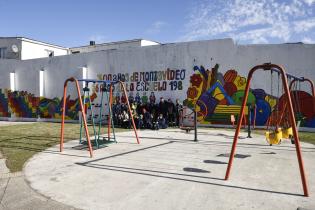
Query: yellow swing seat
[(274, 137), (287, 133)]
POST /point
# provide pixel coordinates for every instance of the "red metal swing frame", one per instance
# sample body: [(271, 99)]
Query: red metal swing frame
[(311, 84), (76, 81), (270, 67), (302, 79)]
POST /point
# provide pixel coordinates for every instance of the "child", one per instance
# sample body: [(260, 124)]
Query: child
[(162, 122)]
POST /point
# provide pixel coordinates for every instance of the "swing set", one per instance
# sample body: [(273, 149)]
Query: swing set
[(98, 118), (276, 133), (280, 120), (86, 106)]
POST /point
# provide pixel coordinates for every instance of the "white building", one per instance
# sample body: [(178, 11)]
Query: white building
[(22, 48), (112, 45)]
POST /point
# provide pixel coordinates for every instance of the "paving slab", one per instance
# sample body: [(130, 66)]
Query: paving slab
[(170, 171)]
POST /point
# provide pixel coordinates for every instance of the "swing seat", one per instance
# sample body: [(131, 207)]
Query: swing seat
[(287, 133), (274, 137)]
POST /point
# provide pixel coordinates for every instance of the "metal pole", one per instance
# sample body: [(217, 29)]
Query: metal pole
[(83, 115), (249, 122), (238, 127), (295, 134), (84, 118), (195, 125), (130, 112), (100, 112), (63, 114), (109, 111)]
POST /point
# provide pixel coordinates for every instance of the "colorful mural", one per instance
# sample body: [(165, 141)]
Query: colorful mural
[(4, 104), (216, 97), (52, 108), (25, 105)]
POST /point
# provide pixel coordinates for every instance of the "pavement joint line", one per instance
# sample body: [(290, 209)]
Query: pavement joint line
[(5, 189), (11, 175)]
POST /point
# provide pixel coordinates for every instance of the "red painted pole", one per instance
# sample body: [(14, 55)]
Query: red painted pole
[(84, 118), (295, 134), (304, 80), (130, 112), (238, 127), (312, 87), (292, 119), (313, 91), (63, 114)]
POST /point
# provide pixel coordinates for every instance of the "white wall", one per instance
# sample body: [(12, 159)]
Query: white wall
[(32, 50), (296, 58), (148, 43), (114, 45)]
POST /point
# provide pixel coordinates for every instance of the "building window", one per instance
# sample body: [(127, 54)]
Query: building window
[(12, 81), (2, 52), (41, 83)]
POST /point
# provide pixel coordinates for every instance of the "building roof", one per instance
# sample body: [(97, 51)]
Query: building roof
[(113, 43), (36, 42)]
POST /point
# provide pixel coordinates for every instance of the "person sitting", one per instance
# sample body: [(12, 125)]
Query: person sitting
[(120, 120), (178, 111), (155, 125), (147, 119), (162, 122), (163, 108), (140, 122), (171, 112), (125, 119)]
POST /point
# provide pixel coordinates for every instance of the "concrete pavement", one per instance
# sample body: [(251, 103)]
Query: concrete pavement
[(15, 193), (169, 171)]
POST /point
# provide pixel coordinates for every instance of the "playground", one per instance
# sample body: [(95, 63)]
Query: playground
[(168, 170), (96, 166)]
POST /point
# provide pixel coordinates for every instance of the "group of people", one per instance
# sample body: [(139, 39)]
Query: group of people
[(148, 115)]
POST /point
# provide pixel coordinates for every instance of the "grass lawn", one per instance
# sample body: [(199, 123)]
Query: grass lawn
[(20, 142)]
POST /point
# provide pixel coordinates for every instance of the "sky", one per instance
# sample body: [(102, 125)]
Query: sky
[(75, 22)]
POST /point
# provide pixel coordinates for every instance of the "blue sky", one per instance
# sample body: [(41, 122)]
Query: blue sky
[(75, 22)]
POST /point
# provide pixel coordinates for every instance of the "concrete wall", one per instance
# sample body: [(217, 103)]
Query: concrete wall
[(298, 59), (7, 43)]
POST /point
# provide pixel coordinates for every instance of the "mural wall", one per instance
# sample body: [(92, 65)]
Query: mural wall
[(216, 97), (22, 104)]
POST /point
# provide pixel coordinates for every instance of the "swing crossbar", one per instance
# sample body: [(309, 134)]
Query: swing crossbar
[(290, 76), (269, 67)]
